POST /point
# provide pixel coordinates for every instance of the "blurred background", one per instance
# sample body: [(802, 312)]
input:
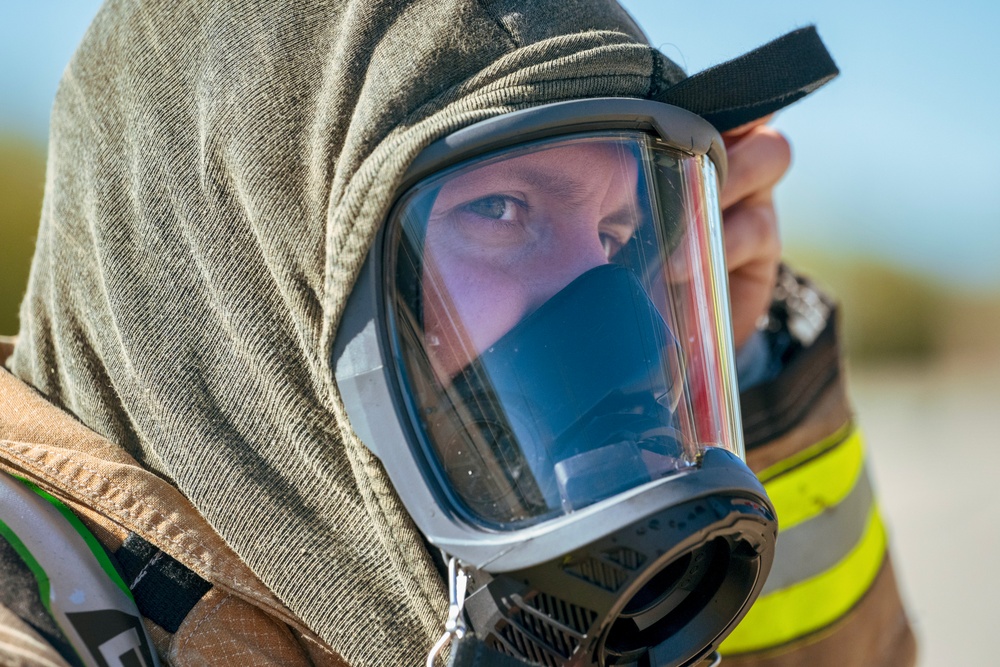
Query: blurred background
[(892, 203)]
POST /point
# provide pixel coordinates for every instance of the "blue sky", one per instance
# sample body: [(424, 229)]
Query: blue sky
[(897, 158)]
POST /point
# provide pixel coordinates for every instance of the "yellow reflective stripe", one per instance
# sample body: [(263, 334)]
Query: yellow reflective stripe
[(817, 485), (806, 454), (814, 603)]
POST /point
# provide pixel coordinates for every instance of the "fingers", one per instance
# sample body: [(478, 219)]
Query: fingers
[(751, 233), (753, 252), (732, 136), (758, 158), (750, 298)]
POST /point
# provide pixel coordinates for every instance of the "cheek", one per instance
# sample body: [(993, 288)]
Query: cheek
[(467, 307)]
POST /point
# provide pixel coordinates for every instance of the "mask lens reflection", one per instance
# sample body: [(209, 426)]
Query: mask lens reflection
[(543, 315)]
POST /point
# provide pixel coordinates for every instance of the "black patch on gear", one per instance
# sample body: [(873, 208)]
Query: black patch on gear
[(164, 590), (113, 638)]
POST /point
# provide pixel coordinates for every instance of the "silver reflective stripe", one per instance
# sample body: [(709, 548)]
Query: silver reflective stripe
[(815, 546), (97, 617)]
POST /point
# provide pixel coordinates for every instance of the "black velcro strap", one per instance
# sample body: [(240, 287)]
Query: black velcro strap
[(757, 83), (773, 408), (165, 591)]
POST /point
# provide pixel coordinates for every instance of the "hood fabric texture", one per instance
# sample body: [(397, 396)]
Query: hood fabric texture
[(217, 172)]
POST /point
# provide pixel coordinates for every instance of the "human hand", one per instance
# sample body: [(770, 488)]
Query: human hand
[(758, 158)]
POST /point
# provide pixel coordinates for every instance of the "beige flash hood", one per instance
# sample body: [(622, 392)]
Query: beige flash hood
[(217, 172)]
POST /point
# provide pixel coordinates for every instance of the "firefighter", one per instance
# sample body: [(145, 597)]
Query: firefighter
[(367, 333)]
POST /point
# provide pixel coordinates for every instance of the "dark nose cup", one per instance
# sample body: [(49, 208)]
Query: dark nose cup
[(584, 385)]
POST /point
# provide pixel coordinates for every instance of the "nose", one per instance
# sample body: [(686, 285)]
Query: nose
[(575, 248)]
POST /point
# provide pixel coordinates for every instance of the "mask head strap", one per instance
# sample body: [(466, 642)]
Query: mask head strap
[(757, 83)]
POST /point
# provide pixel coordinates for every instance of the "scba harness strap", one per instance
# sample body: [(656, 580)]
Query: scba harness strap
[(79, 602), (85, 602)]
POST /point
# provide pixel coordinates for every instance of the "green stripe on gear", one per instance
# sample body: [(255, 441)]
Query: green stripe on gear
[(95, 547), (36, 569)]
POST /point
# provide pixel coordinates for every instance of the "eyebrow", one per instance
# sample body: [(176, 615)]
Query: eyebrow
[(628, 219), (556, 184)]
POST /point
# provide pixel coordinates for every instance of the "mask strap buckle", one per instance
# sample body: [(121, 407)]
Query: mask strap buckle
[(454, 626)]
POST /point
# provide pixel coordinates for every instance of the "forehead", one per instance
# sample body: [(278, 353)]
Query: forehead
[(568, 169)]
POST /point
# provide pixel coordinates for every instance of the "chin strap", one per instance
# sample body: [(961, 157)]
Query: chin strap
[(757, 83)]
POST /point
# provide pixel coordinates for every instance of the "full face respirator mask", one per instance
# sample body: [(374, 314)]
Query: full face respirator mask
[(538, 350)]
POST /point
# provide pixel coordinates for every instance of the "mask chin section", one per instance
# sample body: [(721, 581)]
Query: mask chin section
[(627, 600)]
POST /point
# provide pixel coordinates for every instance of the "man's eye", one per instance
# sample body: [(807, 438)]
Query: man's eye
[(494, 207)]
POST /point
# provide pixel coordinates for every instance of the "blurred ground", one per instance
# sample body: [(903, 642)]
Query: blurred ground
[(933, 437)]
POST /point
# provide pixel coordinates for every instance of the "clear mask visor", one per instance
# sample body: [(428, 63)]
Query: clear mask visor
[(560, 318)]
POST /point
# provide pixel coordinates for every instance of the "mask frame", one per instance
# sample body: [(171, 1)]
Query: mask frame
[(731, 516), (365, 367)]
